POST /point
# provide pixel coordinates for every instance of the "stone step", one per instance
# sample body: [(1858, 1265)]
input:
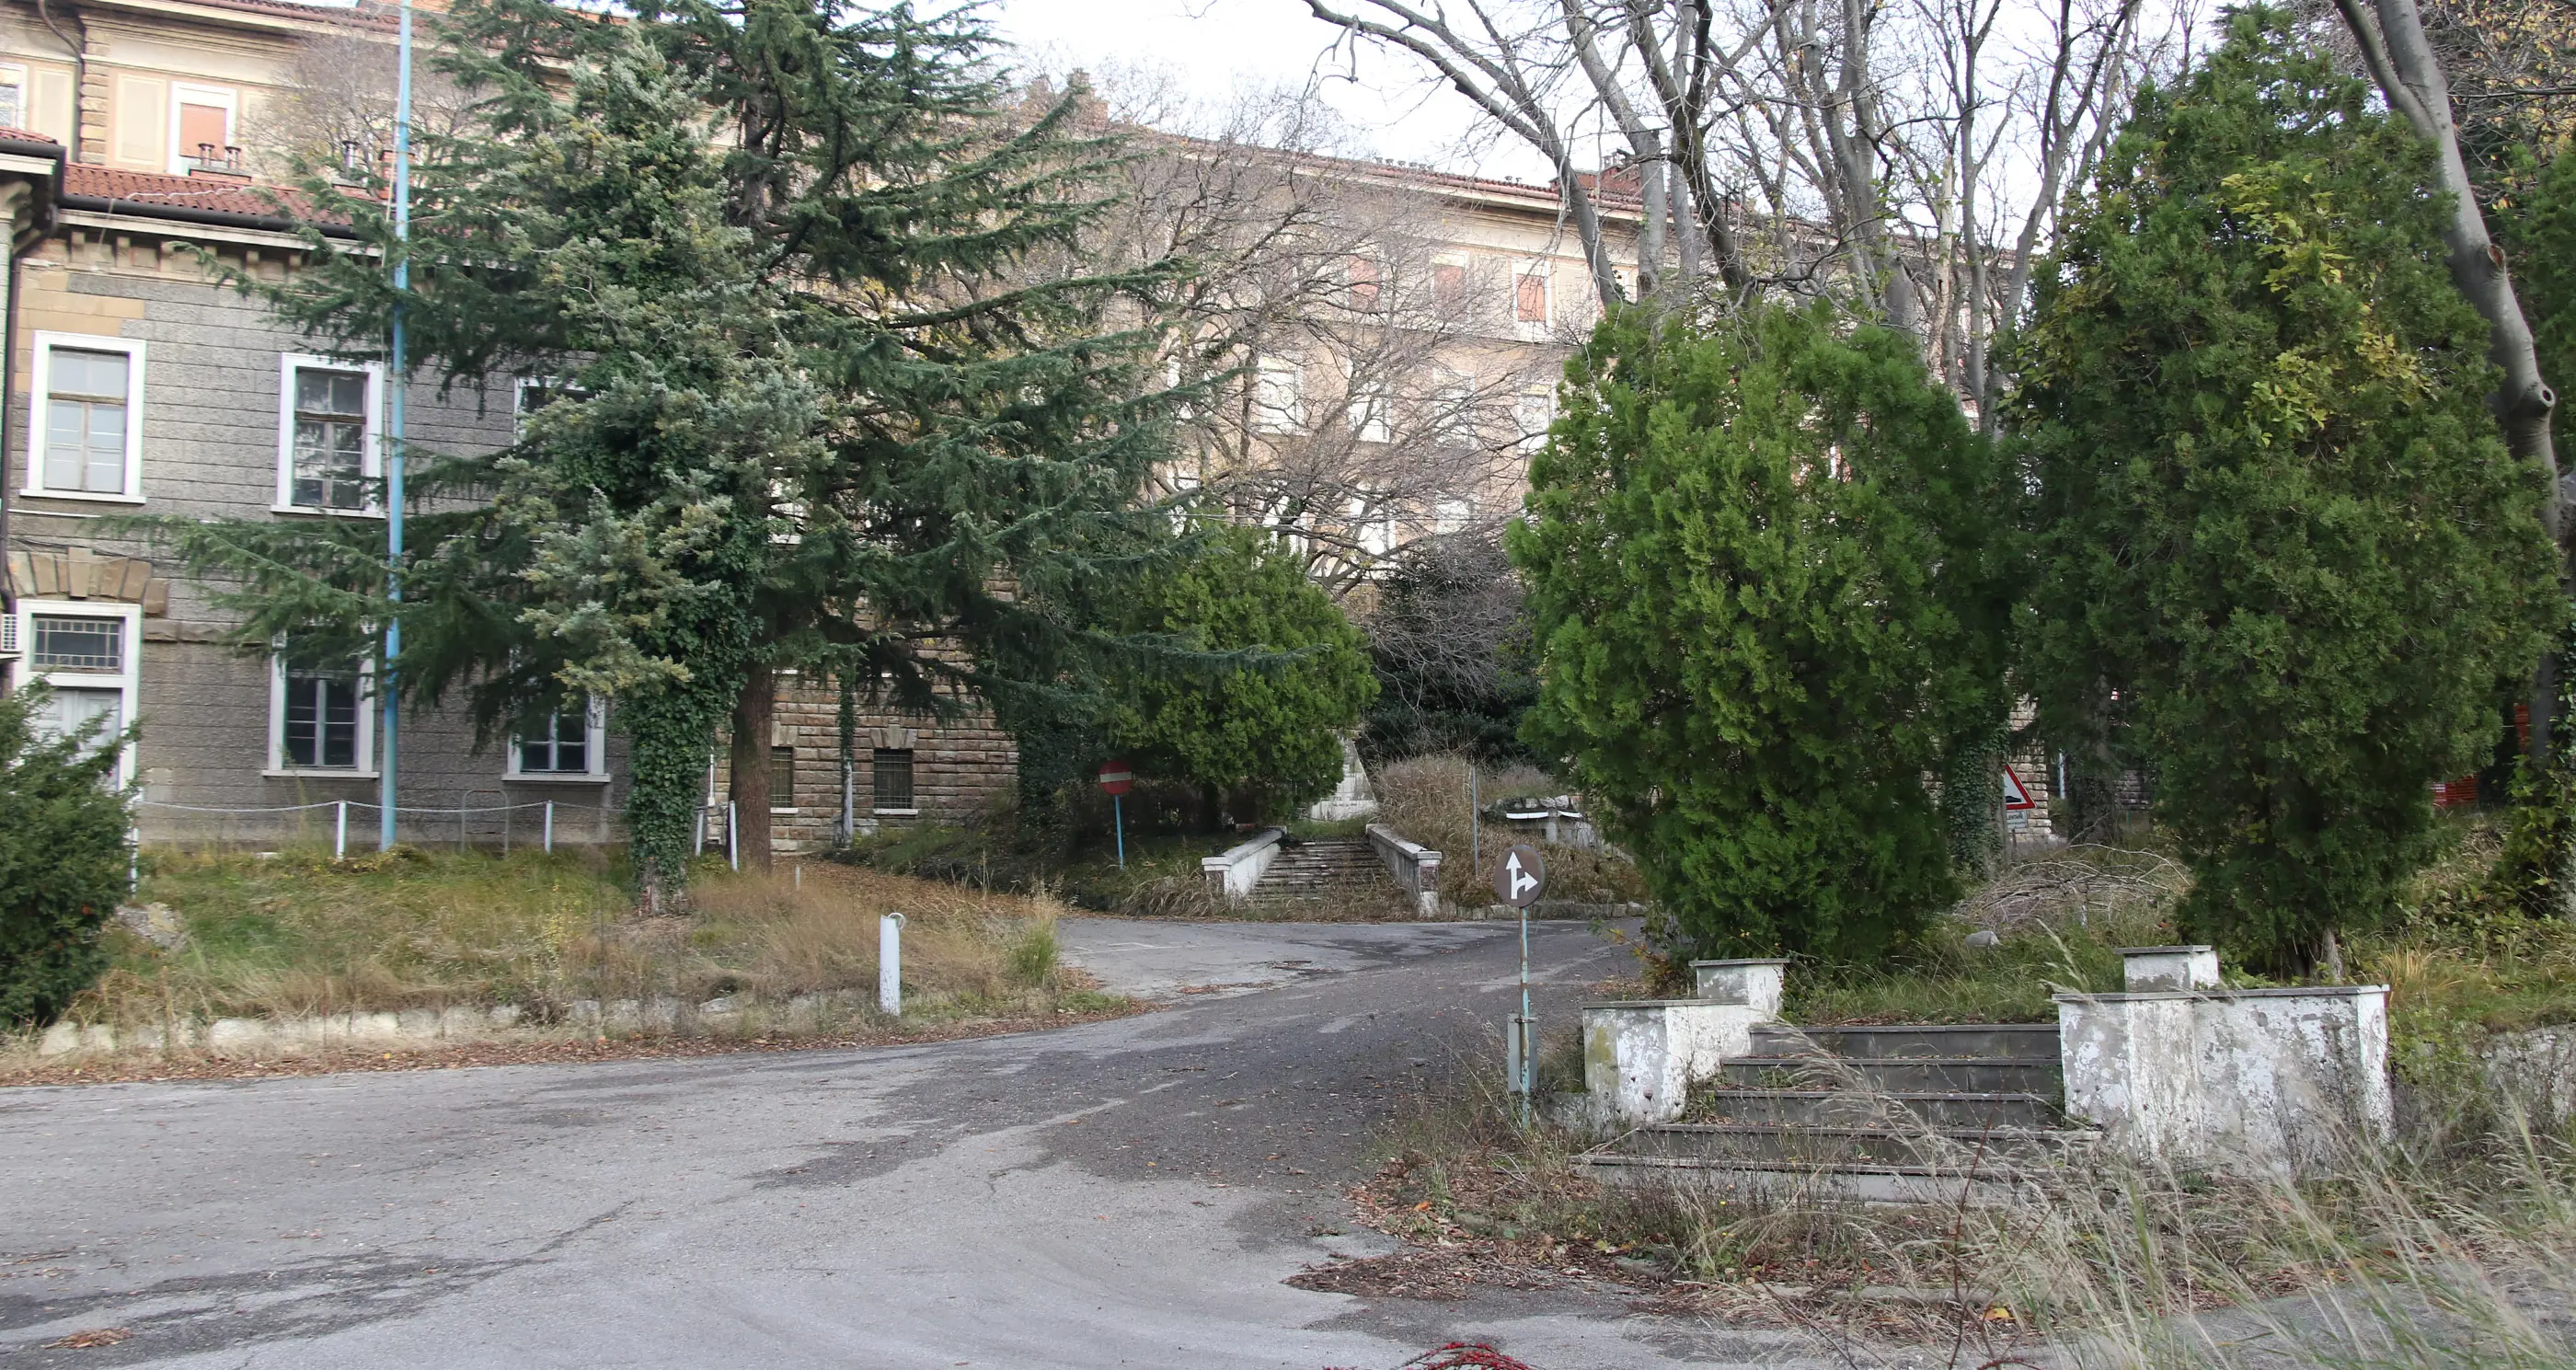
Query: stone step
[(1937, 1074), (1799, 1108), (1800, 1182), (1949, 1040), (1956, 1149)]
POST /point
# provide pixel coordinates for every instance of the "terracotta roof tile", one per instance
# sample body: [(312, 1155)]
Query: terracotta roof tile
[(144, 190), (22, 135)]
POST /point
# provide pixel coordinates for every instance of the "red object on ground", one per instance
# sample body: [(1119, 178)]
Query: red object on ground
[(2455, 794), (1117, 777)]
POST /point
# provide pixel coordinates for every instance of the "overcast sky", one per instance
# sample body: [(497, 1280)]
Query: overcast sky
[(1211, 46)]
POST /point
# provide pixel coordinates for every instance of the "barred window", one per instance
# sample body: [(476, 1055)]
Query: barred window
[(322, 717), (892, 771), (782, 777)]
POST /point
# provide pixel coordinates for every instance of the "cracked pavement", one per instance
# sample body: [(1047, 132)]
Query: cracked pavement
[(1127, 1193)]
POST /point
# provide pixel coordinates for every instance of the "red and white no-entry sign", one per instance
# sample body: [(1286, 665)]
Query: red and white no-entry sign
[(2016, 794), (1116, 777)]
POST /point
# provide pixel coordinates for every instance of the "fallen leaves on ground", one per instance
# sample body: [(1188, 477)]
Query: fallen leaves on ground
[(96, 1336)]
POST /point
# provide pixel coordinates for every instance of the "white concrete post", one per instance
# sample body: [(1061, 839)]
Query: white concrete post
[(890, 965), (2158, 970), (1641, 1057), (550, 827), (733, 845), (1755, 983), (340, 833)]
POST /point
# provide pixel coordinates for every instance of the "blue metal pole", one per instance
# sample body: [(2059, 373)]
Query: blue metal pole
[(394, 424), (1118, 824)]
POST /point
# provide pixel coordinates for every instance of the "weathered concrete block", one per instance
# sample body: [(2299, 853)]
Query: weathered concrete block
[(236, 1034), (2241, 1082), (1640, 1057), (2155, 970), (1754, 983), (62, 1039)]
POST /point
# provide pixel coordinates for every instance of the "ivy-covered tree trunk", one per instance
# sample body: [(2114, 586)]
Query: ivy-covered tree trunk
[(748, 785)]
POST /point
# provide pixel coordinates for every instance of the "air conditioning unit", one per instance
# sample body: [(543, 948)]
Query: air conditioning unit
[(8, 635)]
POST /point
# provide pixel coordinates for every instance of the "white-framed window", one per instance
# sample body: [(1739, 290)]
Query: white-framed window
[(1375, 524), (1532, 300), (567, 745), (1368, 411), (1532, 411), (322, 717), (86, 651), (85, 437), (204, 128), (1452, 416), (13, 96), (330, 426), (1279, 396), (1450, 514), (533, 393)]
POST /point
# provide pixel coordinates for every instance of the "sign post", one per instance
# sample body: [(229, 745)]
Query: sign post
[(1118, 777), (1518, 881)]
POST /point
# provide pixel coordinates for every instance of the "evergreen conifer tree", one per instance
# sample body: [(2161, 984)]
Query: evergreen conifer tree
[(1766, 571), (807, 405), (2281, 539)]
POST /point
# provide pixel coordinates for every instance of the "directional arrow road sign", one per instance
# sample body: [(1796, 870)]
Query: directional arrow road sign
[(1521, 876)]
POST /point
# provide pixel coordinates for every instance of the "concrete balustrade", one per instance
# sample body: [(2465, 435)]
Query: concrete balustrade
[(1232, 873), (1641, 1057), (1416, 868)]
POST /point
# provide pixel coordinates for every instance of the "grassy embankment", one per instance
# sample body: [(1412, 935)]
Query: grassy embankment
[(2452, 1243), (301, 934)]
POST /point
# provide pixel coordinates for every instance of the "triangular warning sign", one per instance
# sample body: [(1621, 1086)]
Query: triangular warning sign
[(2016, 796)]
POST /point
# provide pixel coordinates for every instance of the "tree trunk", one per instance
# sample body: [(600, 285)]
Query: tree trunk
[(2401, 60), (750, 765)]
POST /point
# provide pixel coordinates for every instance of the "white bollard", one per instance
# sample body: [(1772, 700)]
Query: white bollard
[(340, 834), (733, 845), (890, 965), (550, 827)]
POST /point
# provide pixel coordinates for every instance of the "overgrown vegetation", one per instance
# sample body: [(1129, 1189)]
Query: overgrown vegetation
[(300, 934), (1424, 798), (63, 858), (2420, 1254), (1766, 577), (2286, 558)]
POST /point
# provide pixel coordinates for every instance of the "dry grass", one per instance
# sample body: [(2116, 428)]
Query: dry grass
[(299, 934), (2417, 1253), (1424, 798)]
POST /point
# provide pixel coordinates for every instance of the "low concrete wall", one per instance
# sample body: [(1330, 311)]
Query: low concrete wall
[(1415, 867), (2243, 1082), (2533, 1071), (421, 1027), (1640, 1057), (1232, 875)]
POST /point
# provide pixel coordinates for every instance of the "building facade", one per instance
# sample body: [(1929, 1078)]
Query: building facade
[(137, 385)]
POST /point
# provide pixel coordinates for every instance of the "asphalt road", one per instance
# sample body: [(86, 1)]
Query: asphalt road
[(1128, 1193)]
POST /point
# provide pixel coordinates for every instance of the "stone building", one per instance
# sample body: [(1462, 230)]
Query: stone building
[(135, 385)]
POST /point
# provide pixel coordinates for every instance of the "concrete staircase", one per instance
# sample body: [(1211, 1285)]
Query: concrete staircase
[(1322, 871), (1890, 1114)]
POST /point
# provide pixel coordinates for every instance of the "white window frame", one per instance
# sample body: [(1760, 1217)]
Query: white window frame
[(16, 74), (191, 93), (371, 462), (128, 681), (1539, 329), (40, 396), (594, 752), (1285, 377), (1370, 411), (1534, 411), (279, 769)]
